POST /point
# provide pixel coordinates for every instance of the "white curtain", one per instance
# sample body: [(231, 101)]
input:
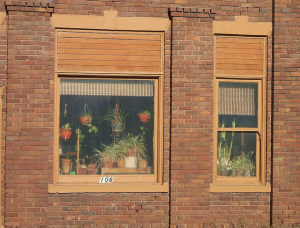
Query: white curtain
[(95, 87), (237, 99)]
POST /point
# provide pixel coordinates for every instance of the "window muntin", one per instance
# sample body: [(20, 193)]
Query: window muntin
[(108, 119), (238, 130)]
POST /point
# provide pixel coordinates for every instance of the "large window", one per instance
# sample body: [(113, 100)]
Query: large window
[(108, 131)]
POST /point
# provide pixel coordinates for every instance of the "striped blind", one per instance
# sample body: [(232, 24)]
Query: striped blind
[(237, 98), (94, 87)]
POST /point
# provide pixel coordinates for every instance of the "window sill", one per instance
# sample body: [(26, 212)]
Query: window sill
[(118, 187), (240, 188)]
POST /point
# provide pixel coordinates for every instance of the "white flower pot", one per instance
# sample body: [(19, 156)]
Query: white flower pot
[(131, 162)]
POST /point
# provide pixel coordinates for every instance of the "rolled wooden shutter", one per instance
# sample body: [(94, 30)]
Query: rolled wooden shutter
[(239, 55), (109, 51)]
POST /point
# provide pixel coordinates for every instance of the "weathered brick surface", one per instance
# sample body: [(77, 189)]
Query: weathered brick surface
[(3, 70), (286, 144), (191, 125), (29, 131), (188, 108)]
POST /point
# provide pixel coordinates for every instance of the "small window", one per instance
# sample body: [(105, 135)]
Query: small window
[(239, 151), (238, 132)]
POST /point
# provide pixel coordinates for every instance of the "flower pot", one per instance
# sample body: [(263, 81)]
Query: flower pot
[(108, 164), (65, 133), (92, 169), (131, 162), (130, 153), (121, 163), (143, 164), (85, 119), (144, 118), (82, 170), (66, 165), (117, 127)]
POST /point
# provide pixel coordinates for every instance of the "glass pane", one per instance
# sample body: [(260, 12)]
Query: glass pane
[(106, 127), (236, 154), (237, 104)]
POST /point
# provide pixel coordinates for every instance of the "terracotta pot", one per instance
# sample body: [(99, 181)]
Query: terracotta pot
[(82, 170), (144, 118), (108, 164), (65, 133), (92, 169), (85, 119), (131, 162), (121, 163), (130, 153), (66, 165), (143, 164)]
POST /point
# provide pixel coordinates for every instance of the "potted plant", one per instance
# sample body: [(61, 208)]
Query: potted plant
[(66, 162), (133, 148), (65, 131), (110, 155), (144, 116), (116, 117), (85, 117)]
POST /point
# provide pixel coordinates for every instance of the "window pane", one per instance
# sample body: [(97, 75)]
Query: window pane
[(106, 127), (237, 104), (236, 154)]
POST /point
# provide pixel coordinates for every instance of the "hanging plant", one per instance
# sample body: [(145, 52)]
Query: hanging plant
[(117, 119), (144, 116), (65, 131), (86, 117)]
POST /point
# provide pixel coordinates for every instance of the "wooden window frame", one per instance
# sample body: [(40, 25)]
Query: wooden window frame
[(243, 184), (123, 183)]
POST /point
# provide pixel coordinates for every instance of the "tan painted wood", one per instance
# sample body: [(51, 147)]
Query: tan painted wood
[(118, 178), (245, 56), (107, 171), (65, 188), (106, 40), (229, 50), (110, 21), (108, 69), (110, 57), (2, 17), (109, 46), (138, 53), (241, 26), (239, 63), (108, 63)]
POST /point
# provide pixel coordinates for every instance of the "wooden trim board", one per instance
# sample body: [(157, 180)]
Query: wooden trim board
[(110, 21), (241, 26)]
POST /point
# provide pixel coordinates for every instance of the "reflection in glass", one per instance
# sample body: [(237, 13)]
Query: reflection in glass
[(106, 126), (236, 154), (237, 102)]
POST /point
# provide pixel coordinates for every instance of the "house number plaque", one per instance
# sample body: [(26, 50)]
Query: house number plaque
[(106, 180)]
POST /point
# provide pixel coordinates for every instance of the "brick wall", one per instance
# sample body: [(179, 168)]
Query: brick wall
[(286, 138), (3, 71), (29, 128), (191, 120), (188, 108)]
